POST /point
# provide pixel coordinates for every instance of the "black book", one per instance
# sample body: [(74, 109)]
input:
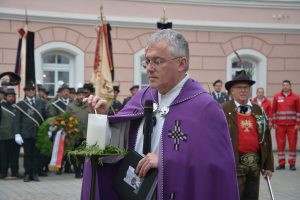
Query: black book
[(129, 185)]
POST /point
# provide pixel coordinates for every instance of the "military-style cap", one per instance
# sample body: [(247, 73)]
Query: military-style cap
[(80, 90), (116, 88), (10, 91), (89, 86), (240, 77), (29, 85), (64, 86), (134, 87), (72, 90)]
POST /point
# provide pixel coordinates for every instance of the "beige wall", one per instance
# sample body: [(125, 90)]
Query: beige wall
[(208, 50)]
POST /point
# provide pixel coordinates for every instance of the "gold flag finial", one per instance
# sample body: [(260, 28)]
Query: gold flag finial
[(164, 19)]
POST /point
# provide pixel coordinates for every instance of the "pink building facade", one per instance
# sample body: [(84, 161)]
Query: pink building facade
[(266, 34)]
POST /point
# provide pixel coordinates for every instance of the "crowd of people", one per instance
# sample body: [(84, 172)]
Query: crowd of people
[(217, 155), (20, 121)]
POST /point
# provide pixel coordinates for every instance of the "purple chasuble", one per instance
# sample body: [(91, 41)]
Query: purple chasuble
[(195, 153)]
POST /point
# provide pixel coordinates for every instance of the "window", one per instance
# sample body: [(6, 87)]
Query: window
[(56, 61), (140, 73), (56, 66), (255, 65)]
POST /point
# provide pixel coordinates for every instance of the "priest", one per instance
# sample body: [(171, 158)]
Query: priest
[(190, 143)]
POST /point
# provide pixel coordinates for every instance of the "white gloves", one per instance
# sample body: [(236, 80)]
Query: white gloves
[(49, 134), (19, 139)]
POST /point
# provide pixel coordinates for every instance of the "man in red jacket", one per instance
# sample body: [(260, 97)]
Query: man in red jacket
[(286, 121), (263, 101)]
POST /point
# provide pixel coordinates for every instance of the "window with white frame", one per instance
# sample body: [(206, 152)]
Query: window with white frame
[(140, 73), (57, 66), (255, 65)]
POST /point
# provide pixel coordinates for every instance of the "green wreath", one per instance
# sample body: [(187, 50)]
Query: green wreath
[(43, 142)]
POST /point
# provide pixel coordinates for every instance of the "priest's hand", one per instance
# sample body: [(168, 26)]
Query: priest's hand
[(97, 104), (148, 162), (266, 173)]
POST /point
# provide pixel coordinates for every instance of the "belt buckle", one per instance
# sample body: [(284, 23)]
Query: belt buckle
[(249, 159)]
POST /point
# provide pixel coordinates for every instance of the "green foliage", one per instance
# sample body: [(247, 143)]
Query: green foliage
[(43, 142), (94, 151)]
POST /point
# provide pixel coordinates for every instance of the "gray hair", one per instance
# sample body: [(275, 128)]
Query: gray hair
[(178, 46)]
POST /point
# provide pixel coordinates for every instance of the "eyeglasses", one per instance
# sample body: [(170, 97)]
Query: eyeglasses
[(156, 62)]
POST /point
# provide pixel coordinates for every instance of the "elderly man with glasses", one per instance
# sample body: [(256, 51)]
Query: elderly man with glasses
[(190, 144)]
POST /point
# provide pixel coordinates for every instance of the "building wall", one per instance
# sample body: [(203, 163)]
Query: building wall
[(208, 51)]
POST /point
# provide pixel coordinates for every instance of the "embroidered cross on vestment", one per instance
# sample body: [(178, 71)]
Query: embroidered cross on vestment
[(177, 135)]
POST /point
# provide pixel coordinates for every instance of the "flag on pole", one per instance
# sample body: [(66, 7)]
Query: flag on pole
[(25, 65), (103, 65)]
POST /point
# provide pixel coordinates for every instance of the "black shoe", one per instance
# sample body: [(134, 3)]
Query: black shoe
[(280, 167), (292, 167), (43, 174), (58, 172), (27, 178), (35, 178)]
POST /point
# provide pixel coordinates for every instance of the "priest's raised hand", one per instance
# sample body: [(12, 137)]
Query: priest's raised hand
[(96, 104)]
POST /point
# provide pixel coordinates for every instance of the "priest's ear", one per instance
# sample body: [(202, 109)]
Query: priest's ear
[(183, 64)]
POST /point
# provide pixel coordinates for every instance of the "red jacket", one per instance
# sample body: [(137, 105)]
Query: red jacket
[(286, 109), (266, 105)]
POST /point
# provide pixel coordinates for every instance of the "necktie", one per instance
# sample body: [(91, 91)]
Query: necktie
[(243, 109), (32, 102)]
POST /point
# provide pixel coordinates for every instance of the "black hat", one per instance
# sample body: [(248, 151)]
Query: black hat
[(80, 90), (29, 85), (89, 86), (240, 77), (64, 86), (14, 79), (134, 87), (116, 88), (10, 91), (1, 90), (72, 90), (41, 88)]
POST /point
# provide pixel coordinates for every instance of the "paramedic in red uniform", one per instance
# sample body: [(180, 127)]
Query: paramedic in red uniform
[(263, 101), (286, 121)]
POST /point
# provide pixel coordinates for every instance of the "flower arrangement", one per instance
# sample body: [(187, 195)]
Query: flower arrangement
[(66, 122), (69, 124)]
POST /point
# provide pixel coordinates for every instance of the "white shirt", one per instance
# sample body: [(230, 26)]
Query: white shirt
[(163, 101), (65, 101), (30, 100), (249, 104)]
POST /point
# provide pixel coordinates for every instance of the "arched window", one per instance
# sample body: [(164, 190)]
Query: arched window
[(140, 73), (255, 65), (57, 66), (57, 61)]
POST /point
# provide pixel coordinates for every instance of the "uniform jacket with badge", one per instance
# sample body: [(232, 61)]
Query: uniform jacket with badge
[(81, 111), (7, 124), (223, 97), (265, 150), (26, 126)]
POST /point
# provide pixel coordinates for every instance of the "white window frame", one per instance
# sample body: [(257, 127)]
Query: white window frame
[(260, 69), (138, 70), (77, 75)]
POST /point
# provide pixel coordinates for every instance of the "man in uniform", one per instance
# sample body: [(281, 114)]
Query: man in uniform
[(31, 112), (80, 110), (250, 136), (60, 105), (286, 121), (9, 148), (133, 90), (193, 157), (217, 94), (88, 89), (116, 105)]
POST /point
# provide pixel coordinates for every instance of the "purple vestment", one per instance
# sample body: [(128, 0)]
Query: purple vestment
[(195, 153)]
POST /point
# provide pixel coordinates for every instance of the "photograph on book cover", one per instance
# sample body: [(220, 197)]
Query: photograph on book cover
[(132, 179)]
